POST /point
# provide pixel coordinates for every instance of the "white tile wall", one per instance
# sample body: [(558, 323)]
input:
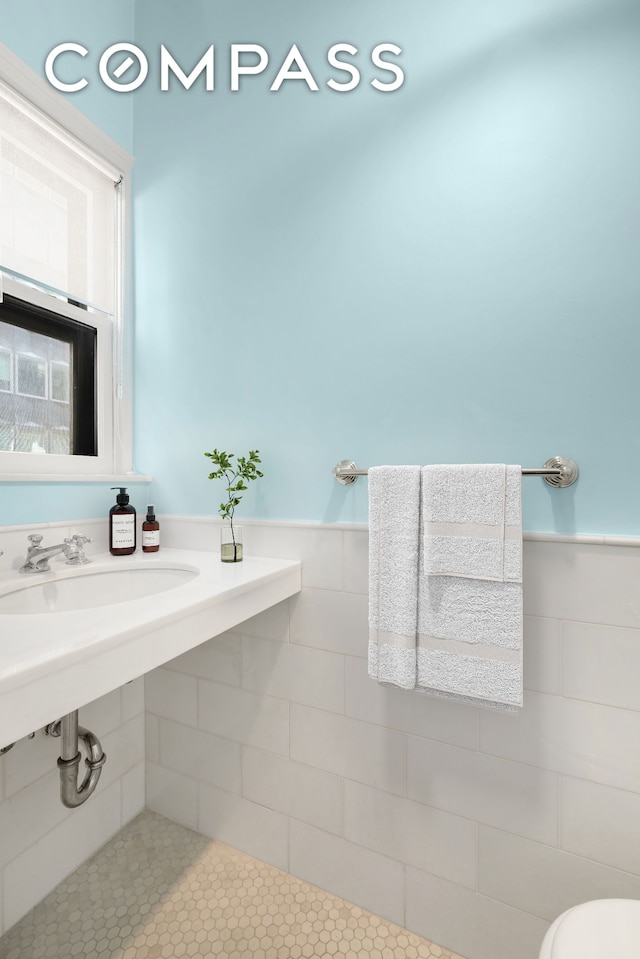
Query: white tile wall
[(246, 825), (471, 827), (41, 841), (348, 870), (472, 924), (303, 792), (542, 880)]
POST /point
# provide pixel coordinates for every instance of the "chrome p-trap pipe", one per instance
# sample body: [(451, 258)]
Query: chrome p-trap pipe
[(70, 732)]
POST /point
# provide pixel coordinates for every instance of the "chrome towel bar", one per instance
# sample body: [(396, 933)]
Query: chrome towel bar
[(559, 471)]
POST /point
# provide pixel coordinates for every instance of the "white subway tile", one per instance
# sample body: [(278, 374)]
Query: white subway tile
[(152, 737), (584, 582), (37, 870), (29, 760), (330, 620), (601, 664), (124, 748), (245, 717), (369, 754), (356, 561), (132, 698), (245, 825), (424, 837), (468, 923), (312, 677), (542, 880), (29, 815), (407, 710), (133, 792), (358, 875), (102, 715), (200, 755), (308, 794), (601, 823), (219, 659), (199, 533), (578, 739), (515, 797), (272, 623), (173, 795), (172, 695), (319, 549), (541, 654)]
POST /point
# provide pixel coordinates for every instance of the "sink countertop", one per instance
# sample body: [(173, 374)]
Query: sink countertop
[(53, 663)]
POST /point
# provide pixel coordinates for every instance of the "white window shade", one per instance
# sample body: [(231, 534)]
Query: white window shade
[(58, 207)]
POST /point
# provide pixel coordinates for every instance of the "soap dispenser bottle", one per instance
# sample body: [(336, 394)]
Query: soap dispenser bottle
[(122, 525), (150, 532)]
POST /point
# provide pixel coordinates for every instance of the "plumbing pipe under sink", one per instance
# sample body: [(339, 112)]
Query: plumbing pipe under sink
[(68, 729)]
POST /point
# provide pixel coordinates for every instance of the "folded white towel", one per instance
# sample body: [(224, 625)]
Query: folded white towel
[(394, 540), (470, 596), (472, 521), (470, 640)]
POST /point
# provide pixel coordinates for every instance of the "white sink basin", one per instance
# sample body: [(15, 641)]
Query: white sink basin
[(96, 627), (88, 589)]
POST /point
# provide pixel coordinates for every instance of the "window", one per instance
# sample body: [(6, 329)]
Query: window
[(42, 414), (63, 333)]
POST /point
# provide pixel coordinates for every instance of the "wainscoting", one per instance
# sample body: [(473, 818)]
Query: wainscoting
[(471, 828)]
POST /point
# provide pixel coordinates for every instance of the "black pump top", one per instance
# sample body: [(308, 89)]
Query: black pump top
[(123, 497), (151, 516)]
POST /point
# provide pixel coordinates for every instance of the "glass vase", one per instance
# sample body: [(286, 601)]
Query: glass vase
[(231, 544)]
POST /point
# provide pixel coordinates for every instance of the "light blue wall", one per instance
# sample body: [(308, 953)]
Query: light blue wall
[(447, 273), (444, 274), (32, 28)]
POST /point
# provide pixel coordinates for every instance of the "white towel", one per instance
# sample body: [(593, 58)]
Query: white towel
[(472, 521), (394, 541), (456, 636), (470, 595)]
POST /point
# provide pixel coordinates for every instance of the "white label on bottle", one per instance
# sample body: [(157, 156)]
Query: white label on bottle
[(150, 537), (123, 531)]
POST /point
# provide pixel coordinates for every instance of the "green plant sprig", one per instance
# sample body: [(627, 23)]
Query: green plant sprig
[(236, 478)]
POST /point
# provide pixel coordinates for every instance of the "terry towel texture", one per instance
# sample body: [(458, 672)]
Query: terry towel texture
[(446, 617), (394, 511), (472, 521)]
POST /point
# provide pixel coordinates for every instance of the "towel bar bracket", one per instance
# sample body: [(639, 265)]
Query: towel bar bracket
[(559, 471), (346, 472), (567, 475)]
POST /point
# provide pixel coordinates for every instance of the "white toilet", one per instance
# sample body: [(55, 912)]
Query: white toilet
[(592, 930)]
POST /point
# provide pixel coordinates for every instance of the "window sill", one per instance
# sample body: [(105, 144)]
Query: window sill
[(118, 479)]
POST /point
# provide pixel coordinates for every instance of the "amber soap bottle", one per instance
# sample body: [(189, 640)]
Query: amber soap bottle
[(122, 525), (150, 532)]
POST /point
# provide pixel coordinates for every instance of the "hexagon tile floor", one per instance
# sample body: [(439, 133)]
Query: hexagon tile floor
[(160, 891)]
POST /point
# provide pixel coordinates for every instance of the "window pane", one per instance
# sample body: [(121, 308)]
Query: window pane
[(35, 418), (60, 382), (32, 376), (5, 370)]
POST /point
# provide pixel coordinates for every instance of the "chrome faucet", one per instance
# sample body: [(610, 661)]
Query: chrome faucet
[(38, 557)]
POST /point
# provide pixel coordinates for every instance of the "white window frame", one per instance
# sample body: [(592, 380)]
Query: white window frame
[(114, 334)]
